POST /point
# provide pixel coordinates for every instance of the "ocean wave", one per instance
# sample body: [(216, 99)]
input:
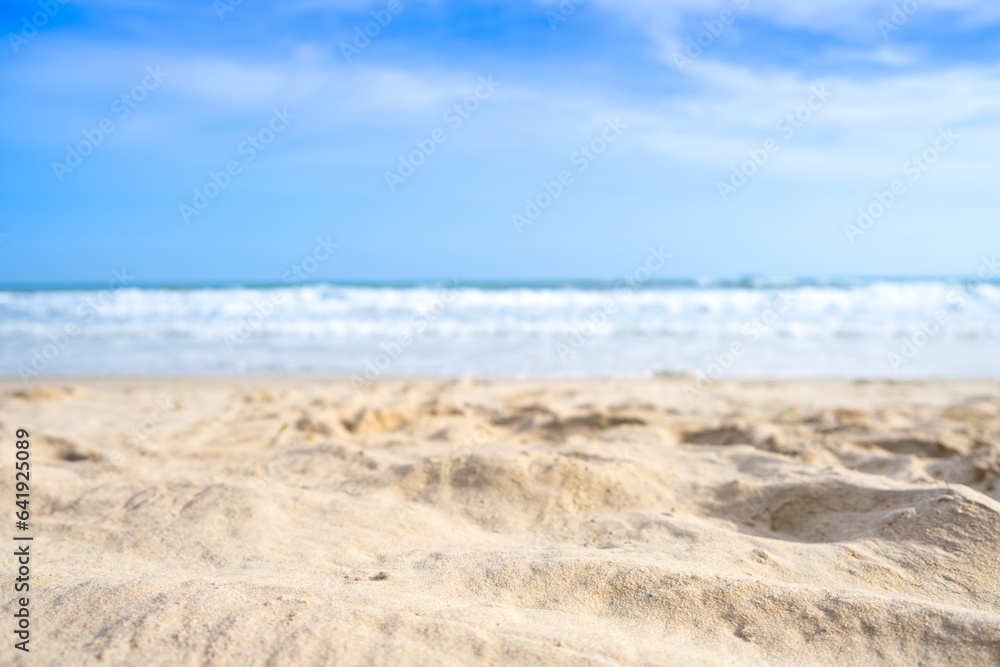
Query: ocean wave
[(633, 330)]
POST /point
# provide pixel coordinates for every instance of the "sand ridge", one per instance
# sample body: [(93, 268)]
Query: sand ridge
[(298, 521)]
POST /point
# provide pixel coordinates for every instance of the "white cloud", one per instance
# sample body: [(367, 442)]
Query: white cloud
[(839, 16), (870, 124), (867, 127), (857, 20)]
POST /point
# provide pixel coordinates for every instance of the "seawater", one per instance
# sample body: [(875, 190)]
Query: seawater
[(737, 329)]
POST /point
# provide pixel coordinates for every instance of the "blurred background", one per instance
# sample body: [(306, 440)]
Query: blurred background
[(486, 188)]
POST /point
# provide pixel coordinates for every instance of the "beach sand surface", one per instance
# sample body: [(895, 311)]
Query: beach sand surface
[(283, 521)]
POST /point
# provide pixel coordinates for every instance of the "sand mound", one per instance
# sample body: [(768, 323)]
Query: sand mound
[(300, 522)]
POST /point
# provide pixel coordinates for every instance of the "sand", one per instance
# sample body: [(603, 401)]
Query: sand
[(297, 521)]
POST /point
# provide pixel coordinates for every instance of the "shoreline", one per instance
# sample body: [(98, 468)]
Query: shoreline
[(657, 377)]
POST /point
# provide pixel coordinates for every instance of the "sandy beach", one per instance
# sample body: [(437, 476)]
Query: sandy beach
[(298, 521)]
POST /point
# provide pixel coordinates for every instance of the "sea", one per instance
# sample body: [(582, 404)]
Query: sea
[(705, 329)]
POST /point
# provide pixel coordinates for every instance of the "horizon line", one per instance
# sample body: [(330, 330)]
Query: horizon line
[(751, 281)]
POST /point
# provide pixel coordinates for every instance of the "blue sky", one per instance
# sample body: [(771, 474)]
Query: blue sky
[(889, 91)]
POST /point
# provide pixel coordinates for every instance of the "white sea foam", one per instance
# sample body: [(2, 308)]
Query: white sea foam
[(787, 329)]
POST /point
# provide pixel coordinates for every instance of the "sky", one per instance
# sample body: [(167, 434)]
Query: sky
[(228, 141)]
